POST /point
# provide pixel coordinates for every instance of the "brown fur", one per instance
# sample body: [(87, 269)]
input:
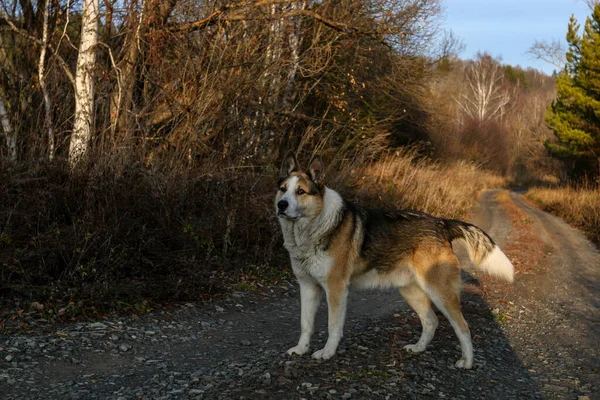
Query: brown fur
[(334, 244)]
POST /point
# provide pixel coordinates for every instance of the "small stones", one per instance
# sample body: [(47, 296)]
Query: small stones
[(193, 353), (205, 325)]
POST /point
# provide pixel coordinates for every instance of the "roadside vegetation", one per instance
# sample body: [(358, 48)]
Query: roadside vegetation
[(87, 244), (574, 119), (580, 206), (155, 183)]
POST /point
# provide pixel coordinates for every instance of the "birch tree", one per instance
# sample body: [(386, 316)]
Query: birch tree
[(9, 133), (84, 83), (485, 96), (48, 125)]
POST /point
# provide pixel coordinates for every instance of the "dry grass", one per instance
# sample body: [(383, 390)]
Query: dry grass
[(578, 206), (99, 241), (402, 180)]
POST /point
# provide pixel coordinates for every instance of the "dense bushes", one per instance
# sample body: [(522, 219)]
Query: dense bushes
[(96, 240)]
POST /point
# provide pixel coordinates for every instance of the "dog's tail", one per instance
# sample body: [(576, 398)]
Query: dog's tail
[(483, 252)]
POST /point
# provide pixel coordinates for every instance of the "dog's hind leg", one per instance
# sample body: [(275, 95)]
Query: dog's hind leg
[(444, 292), (419, 301), (310, 298), (337, 299)]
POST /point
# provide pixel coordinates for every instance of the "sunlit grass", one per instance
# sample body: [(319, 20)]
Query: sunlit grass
[(403, 181), (578, 206)]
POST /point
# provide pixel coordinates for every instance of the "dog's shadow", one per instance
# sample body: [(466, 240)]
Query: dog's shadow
[(379, 324)]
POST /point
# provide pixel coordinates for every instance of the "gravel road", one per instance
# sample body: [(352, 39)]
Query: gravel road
[(535, 339)]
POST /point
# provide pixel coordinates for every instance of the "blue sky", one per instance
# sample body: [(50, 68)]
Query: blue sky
[(507, 28)]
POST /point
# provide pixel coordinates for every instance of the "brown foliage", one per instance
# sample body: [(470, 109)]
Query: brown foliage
[(106, 241)]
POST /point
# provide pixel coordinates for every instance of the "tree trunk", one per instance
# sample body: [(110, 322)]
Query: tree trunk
[(48, 124), (149, 15), (9, 133), (84, 83)]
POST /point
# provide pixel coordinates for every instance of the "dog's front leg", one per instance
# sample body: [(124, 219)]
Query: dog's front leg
[(310, 297), (337, 297)]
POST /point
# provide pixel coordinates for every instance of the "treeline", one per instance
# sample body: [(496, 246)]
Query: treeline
[(141, 139), (180, 84), (493, 114)]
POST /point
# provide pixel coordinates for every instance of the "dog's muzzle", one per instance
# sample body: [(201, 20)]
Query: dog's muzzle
[(282, 206)]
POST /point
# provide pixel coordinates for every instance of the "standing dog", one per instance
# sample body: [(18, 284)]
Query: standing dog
[(334, 244)]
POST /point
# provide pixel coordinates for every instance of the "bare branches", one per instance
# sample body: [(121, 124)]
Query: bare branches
[(241, 12), (485, 97), (591, 3), (38, 42), (450, 45), (551, 52)]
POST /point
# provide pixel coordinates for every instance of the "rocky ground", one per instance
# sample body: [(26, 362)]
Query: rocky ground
[(534, 339)]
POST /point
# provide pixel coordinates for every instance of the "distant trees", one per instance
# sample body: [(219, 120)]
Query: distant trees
[(180, 84), (575, 114), (492, 114), (486, 96)]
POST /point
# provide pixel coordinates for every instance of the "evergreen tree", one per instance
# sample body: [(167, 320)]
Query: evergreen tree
[(575, 114)]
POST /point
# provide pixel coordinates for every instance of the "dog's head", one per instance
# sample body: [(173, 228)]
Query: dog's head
[(299, 194)]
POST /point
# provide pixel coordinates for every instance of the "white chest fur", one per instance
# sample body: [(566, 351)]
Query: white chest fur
[(302, 238)]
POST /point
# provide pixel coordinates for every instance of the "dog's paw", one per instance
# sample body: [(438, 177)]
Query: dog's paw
[(415, 348), (464, 364), (323, 354), (299, 350)]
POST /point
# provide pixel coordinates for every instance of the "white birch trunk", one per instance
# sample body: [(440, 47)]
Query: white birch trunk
[(9, 133), (84, 83), (294, 42), (42, 80)]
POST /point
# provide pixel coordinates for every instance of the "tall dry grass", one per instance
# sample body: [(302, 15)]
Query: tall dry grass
[(404, 180), (102, 240), (578, 206)]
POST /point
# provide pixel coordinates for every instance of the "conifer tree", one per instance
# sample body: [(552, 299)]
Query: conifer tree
[(575, 114)]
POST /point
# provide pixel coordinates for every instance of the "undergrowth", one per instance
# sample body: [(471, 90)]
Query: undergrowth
[(80, 245)]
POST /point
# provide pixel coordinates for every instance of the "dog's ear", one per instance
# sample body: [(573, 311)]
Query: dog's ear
[(289, 165), (315, 170)]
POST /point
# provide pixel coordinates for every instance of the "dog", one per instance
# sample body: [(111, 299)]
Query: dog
[(334, 244)]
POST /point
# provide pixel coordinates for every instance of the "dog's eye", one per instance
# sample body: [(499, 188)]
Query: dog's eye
[(300, 191), (282, 188)]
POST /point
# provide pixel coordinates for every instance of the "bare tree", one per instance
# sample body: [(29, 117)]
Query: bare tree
[(485, 96), (450, 45), (591, 3), (84, 83), (551, 52)]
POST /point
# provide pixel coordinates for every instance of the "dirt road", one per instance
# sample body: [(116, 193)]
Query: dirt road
[(535, 339)]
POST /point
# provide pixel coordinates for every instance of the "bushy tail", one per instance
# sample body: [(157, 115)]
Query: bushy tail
[(485, 255)]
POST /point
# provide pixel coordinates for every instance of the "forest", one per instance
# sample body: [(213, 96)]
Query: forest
[(141, 139)]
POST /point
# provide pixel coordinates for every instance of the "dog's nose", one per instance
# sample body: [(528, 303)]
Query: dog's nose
[(282, 205)]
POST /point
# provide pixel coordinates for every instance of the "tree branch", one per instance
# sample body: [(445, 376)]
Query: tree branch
[(38, 42)]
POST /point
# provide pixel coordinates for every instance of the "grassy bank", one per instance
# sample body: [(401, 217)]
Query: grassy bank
[(578, 206), (83, 245)]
